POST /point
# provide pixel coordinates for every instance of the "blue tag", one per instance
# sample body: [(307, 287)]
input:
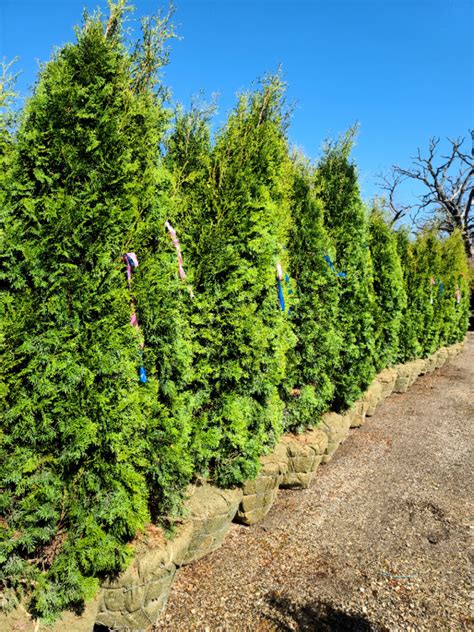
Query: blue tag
[(327, 259), (280, 296)]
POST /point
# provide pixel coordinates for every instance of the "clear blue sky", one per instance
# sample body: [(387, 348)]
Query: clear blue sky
[(402, 68)]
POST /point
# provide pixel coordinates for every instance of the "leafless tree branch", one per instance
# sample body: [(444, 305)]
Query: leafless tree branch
[(448, 179)]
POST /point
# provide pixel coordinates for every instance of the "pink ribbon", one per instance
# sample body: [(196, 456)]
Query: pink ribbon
[(175, 241), (279, 271), (132, 262), (458, 295)]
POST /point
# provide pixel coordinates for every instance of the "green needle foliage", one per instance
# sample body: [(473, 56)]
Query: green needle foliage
[(434, 270), (314, 314), (188, 157), (412, 324), (7, 122), (162, 304), (89, 452), (347, 225), (189, 160), (7, 95), (236, 199), (7, 118), (455, 277), (82, 439), (162, 300), (429, 295), (389, 292), (247, 233)]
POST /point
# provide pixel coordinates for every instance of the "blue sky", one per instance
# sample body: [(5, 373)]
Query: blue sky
[(402, 68)]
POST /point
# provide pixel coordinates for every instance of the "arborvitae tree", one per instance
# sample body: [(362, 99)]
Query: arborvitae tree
[(7, 122), (77, 425), (389, 292), (88, 450), (189, 160), (455, 275), (162, 304), (346, 222), (7, 119), (430, 290), (314, 312), (161, 298), (412, 323), (238, 218), (436, 278)]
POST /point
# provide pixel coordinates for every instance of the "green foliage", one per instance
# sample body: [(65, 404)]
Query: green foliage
[(314, 314), (85, 446), (7, 117), (425, 294), (430, 291), (7, 123), (409, 346), (389, 292), (189, 160), (162, 303), (89, 454), (455, 274), (346, 223), (235, 219), (433, 270)]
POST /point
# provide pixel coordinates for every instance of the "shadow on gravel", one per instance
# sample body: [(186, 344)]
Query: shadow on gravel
[(316, 617)]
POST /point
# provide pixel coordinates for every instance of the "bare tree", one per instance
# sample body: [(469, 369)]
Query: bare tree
[(448, 197)]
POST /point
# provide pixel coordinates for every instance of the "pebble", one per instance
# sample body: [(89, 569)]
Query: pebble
[(387, 516)]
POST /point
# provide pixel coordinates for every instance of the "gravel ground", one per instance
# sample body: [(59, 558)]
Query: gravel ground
[(380, 542)]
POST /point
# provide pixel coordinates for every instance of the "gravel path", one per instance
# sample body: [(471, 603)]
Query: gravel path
[(379, 542)]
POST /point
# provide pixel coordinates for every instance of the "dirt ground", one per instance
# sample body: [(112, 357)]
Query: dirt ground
[(381, 540)]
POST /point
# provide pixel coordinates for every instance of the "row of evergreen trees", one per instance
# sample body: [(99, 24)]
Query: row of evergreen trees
[(291, 297)]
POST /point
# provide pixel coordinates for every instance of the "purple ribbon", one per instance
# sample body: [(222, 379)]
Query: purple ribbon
[(131, 261)]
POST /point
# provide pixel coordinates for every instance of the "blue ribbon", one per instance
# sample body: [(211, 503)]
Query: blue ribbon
[(142, 370), (440, 286), (327, 258), (281, 298)]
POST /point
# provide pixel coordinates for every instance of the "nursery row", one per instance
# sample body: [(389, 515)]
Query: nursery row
[(173, 300)]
